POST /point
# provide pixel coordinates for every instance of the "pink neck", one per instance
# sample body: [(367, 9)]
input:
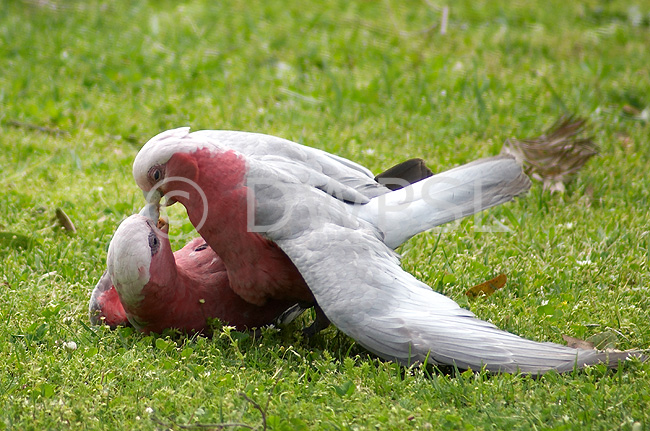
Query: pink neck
[(197, 294), (257, 269)]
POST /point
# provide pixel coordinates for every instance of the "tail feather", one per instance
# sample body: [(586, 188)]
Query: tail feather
[(468, 342), (408, 172), (445, 197)]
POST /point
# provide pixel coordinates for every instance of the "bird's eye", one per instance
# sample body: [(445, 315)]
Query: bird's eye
[(154, 243), (155, 174)]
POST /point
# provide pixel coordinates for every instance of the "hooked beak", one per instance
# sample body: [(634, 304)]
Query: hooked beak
[(151, 211), (153, 197), (163, 225)]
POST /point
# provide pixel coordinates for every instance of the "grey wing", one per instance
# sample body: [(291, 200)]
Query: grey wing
[(358, 283), (337, 176)]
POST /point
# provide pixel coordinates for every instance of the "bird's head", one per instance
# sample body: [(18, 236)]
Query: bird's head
[(138, 254), (165, 166)]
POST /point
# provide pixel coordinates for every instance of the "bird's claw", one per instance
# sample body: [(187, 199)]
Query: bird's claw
[(320, 322)]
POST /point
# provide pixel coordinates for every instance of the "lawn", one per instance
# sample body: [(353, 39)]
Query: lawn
[(83, 84)]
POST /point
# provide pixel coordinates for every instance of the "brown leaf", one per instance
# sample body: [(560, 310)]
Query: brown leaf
[(65, 221), (577, 343), (487, 288), (605, 340)]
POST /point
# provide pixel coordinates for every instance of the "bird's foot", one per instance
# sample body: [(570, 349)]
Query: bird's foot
[(320, 322)]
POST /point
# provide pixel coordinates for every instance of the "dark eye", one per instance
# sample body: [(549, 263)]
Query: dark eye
[(201, 247), (154, 243), (155, 173)]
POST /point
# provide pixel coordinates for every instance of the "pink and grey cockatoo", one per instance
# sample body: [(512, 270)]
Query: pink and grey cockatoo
[(184, 290), (293, 222), (215, 186), (190, 288)]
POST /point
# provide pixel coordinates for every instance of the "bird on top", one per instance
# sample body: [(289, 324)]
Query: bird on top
[(190, 289), (294, 223)]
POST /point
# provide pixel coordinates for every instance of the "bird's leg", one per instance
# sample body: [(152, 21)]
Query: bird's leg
[(320, 322)]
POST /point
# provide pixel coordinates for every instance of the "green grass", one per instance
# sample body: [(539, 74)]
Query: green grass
[(373, 82)]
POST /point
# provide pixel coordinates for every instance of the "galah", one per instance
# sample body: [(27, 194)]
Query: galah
[(163, 297), (208, 172), (270, 215), (183, 290)]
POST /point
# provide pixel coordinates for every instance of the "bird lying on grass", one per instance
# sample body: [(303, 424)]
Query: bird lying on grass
[(183, 290), (293, 223)]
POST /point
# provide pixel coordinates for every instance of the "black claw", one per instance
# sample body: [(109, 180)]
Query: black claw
[(320, 322)]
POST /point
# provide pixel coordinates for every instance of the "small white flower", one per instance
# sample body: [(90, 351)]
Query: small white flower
[(584, 262), (369, 151), (70, 345), (148, 410)]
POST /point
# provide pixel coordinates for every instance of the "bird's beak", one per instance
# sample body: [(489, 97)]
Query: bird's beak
[(163, 225), (153, 197), (151, 211)]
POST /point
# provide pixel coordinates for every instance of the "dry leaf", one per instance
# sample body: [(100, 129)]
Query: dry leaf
[(605, 340), (65, 221), (577, 343), (487, 288)]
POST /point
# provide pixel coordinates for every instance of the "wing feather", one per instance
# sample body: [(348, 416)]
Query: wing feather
[(394, 315), (341, 178)]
